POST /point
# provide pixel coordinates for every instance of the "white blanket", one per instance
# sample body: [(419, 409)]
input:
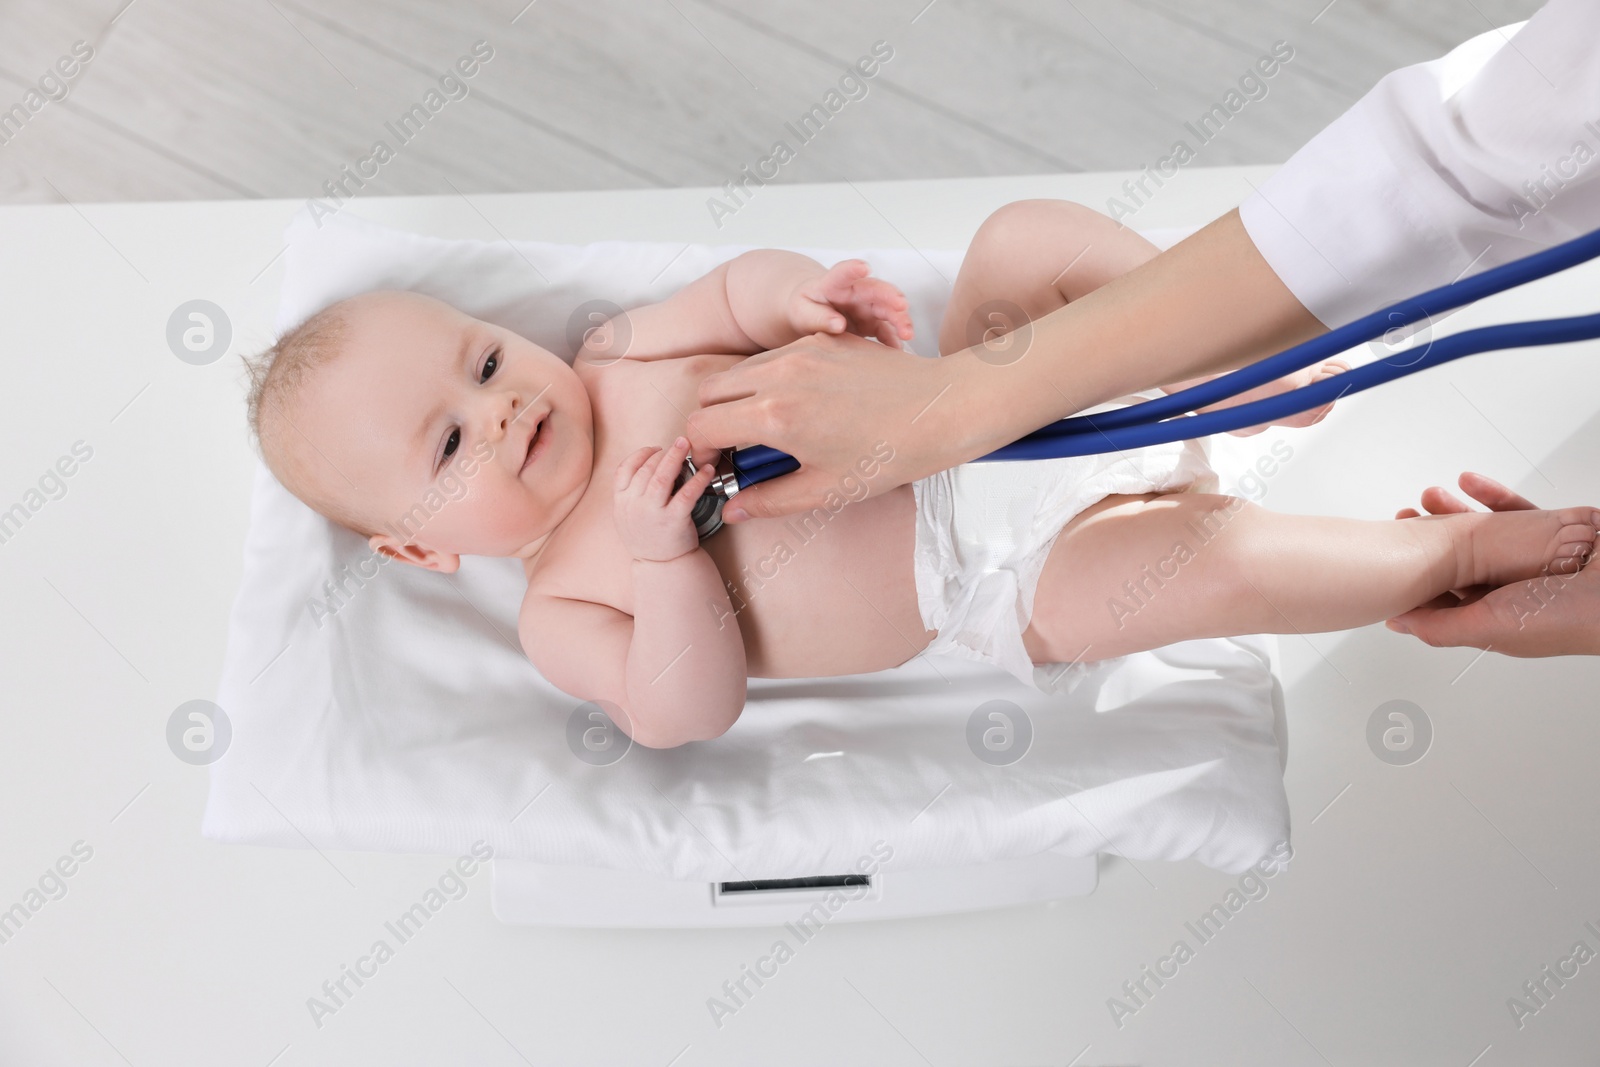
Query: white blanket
[(402, 715)]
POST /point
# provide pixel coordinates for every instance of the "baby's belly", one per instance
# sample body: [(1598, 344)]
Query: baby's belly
[(824, 593)]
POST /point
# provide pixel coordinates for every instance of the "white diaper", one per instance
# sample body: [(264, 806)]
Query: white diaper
[(985, 529)]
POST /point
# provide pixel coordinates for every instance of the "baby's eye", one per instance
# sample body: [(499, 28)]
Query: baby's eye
[(453, 442)]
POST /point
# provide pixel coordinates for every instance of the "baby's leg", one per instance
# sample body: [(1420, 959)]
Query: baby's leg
[(1137, 572), (1035, 255)]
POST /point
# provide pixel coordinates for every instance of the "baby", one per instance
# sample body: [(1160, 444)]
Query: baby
[(372, 405)]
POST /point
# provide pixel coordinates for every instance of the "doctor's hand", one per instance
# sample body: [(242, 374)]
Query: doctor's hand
[(861, 418), (1556, 615)]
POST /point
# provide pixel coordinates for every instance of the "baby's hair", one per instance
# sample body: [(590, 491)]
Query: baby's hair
[(277, 376)]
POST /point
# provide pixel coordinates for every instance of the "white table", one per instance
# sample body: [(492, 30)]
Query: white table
[(1421, 897)]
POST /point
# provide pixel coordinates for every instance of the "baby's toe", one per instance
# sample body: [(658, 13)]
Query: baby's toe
[(1579, 523), (1574, 541)]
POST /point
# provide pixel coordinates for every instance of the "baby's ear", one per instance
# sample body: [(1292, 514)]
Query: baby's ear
[(416, 555)]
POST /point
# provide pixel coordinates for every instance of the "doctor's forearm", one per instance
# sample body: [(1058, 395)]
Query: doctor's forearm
[(1208, 304)]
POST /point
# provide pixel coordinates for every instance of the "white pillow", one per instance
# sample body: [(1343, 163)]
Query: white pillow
[(405, 716)]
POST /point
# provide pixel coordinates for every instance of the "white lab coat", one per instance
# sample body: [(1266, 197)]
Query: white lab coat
[(1444, 169)]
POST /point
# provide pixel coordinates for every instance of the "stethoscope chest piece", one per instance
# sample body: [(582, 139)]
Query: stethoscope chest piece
[(707, 513)]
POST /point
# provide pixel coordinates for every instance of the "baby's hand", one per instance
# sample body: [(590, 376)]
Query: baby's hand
[(846, 297), (652, 525)]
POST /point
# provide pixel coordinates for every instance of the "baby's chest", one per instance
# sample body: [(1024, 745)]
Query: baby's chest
[(633, 404), (785, 568), (644, 402)]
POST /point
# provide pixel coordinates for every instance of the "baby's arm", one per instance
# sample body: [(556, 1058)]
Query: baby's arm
[(674, 675), (676, 668), (759, 300)]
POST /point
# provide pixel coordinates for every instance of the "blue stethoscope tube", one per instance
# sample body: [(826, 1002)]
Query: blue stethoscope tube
[(1167, 418), (759, 463)]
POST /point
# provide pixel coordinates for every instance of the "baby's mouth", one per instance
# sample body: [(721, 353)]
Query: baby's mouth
[(533, 442)]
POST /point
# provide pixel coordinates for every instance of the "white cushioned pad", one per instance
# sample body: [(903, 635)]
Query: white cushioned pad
[(403, 716)]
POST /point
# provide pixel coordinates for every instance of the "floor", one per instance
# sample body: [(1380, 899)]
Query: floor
[(195, 99)]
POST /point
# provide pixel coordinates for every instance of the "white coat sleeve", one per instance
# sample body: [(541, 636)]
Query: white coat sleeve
[(1442, 170)]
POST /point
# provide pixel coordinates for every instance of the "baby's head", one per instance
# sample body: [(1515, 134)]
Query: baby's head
[(401, 418)]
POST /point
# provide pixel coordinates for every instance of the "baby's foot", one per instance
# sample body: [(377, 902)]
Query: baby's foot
[(1305, 376), (1509, 546)]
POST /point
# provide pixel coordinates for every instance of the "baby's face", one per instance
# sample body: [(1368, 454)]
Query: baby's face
[(427, 415)]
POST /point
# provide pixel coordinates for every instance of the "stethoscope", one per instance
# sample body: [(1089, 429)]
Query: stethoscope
[(754, 464), (1168, 418)]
